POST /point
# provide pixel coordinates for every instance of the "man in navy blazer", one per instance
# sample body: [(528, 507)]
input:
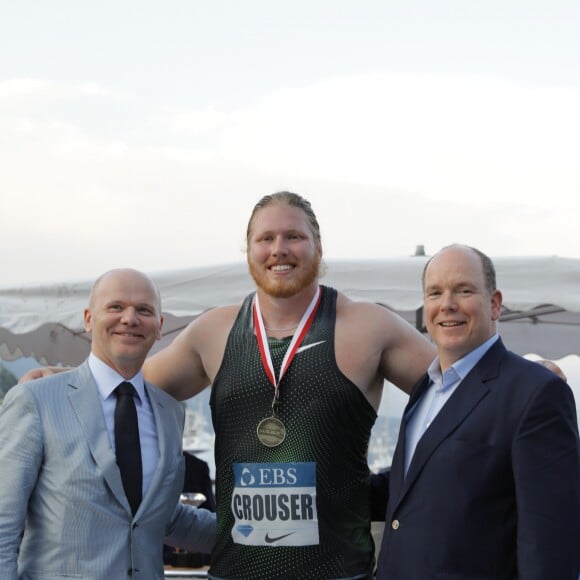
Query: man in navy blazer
[(65, 497), (485, 480)]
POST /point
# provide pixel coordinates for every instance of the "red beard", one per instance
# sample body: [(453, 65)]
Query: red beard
[(285, 287)]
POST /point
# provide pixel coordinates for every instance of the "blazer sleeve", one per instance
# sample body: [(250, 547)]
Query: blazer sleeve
[(21, 453), (192, 528), (546, 464)]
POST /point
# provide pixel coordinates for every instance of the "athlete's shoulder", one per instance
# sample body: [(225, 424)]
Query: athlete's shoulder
[(218, 316), (360, 308)]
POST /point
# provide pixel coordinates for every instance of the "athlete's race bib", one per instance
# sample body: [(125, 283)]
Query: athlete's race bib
[(274, 504)]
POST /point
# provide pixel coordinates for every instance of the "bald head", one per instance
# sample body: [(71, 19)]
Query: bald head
[(126, 274), (461, 303), (124, 319), (487, 267)]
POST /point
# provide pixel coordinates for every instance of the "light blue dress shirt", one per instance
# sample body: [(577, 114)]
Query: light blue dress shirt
[(441, 387), (107, 381)]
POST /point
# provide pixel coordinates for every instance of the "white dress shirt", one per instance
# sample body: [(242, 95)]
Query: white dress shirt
[(107, 381)]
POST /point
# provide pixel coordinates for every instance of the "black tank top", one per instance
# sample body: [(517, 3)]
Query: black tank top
[(328, 422)]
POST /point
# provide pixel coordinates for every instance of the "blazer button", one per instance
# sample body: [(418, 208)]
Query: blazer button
[(395, 524)]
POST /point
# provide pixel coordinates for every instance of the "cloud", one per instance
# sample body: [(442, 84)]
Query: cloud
[(35, 88), (445, 136), (389, 162), (194, 123)]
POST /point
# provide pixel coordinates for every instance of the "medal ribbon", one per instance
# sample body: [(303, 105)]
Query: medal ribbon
[(297, 338)]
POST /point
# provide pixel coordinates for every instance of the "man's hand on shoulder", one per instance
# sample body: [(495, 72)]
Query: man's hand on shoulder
[(552, 366), (40, 373)]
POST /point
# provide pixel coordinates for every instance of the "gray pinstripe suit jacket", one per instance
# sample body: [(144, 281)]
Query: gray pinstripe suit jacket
[(63, 510)]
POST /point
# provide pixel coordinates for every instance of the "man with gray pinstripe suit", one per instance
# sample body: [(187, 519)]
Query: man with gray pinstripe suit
[(64, 512)]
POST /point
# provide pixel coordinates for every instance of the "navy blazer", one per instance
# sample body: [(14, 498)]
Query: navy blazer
[(493, 489)]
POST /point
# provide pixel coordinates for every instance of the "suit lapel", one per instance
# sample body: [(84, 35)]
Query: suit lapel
[(417, 392), (86, 403), (459, 406), (397, 476), (164, 424)]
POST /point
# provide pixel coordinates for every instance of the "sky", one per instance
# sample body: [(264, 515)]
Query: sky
[(142, 133)]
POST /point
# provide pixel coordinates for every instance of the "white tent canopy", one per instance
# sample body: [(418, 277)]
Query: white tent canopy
[(541, 299)]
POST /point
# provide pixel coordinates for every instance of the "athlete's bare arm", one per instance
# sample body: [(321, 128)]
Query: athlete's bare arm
[(374, 344), (191, 361), (407, 354)]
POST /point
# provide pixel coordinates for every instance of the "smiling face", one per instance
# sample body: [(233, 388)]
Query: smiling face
[(124, 318), (283, 254), (460, 312)]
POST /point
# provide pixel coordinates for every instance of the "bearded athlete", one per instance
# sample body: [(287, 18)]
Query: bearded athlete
[(297, 373)]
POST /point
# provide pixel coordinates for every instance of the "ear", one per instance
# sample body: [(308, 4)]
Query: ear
[(319, 249), (496, 302), (158, 333), (87, 318)]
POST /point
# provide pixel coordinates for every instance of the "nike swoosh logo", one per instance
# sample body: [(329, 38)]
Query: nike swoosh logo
[(270, 540), (307, 346)]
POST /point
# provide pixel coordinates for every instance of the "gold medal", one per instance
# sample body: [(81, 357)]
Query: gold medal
[(271, 432)]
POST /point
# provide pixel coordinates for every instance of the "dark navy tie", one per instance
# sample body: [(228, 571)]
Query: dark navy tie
[(127, 446)]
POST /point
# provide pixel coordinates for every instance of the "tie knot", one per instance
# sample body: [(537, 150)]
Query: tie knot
[(125, 388)]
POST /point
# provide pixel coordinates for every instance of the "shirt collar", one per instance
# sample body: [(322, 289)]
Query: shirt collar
[(108, 379), (461, 368)]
